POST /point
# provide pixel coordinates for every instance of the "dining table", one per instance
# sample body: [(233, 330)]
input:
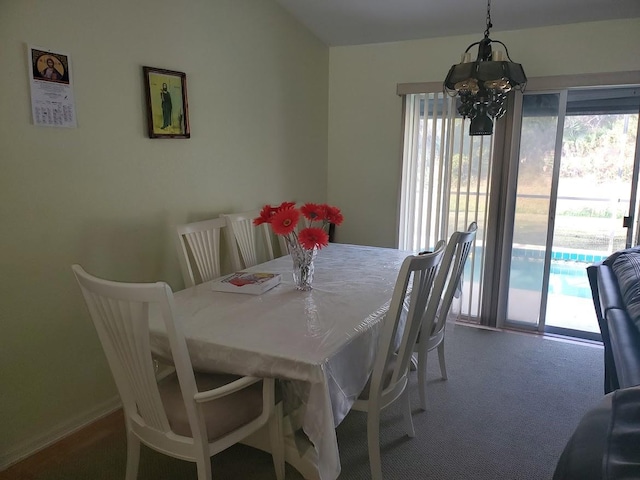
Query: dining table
[(320, 344)]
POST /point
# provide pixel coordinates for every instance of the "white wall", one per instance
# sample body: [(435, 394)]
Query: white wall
[(365, 112), (106, 196)]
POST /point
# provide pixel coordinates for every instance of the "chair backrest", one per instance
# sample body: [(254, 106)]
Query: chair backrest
[(242, 237), (449, 276), (198, 246), (120, 314), (402, 323)]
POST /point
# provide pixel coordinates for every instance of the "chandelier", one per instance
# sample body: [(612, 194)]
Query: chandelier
[(483, 85)]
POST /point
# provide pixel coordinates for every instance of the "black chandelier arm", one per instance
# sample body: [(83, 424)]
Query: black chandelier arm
[(472, 45), (506, 50)]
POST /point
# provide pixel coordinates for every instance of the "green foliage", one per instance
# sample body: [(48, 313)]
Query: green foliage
[(590, 212), (597, 146)]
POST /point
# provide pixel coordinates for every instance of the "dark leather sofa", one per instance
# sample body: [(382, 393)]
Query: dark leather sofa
[(617, 305), (606, 443)]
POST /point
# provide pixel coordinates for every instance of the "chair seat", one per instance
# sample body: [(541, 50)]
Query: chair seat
[(222, 415)]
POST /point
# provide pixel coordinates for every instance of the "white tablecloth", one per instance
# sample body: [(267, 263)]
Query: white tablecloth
[(323, 340)]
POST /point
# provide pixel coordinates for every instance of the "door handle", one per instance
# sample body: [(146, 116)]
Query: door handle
[(627, 222)]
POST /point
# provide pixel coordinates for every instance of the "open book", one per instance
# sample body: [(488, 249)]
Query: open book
[(253, 283)]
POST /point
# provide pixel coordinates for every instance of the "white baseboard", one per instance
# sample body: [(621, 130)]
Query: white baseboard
[(35, 444)]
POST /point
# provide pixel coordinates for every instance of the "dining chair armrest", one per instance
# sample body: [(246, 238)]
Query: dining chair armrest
[(225, 390)]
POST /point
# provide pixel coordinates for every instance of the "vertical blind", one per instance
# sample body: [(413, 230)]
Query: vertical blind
[(445, 184)]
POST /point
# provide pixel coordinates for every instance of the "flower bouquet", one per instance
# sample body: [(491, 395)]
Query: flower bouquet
[(303, 244)]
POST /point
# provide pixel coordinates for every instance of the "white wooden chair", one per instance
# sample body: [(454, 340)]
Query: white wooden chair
[(198, 246), (435, 321), (398, 335), (184, 415), (243, 236)]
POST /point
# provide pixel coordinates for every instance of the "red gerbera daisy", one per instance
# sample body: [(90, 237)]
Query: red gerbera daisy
[(313, 237), (283, 222), (313, 211), (265, 215), (284, 206), (333, 215)]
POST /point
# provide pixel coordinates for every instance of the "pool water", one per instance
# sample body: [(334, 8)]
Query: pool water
[(569, 305), (567, 276)]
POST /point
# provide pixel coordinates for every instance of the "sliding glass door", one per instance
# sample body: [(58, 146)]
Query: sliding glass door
[(553, 191), (574, 203)]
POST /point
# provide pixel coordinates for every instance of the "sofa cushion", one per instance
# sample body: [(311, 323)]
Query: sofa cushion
[(614, 256), (222, 415), (627, 270)]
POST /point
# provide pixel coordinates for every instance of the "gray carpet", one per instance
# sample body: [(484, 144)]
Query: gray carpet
[(511, 402)]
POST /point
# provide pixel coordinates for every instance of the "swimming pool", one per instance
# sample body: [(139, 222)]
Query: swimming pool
[(567, 276)]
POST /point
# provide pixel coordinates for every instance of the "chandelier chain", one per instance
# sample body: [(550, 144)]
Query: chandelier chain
[(489, 24)]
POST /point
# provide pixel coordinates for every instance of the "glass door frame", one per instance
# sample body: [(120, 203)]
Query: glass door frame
[(502, 211), (551, 215)]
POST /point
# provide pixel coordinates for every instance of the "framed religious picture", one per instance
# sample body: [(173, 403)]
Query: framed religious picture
[(167, 106)]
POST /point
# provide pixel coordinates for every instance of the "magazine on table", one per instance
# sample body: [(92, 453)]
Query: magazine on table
[(253, 283)]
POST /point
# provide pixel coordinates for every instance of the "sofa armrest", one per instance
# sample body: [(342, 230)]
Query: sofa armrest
[(582, 456), (608, 290), (610, 377), (604, 446), (625, 346)]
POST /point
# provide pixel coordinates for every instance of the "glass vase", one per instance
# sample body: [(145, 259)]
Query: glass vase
[(302, 265)]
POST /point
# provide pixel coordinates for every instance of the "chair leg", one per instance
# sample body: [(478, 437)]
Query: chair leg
[(373, 440), (443, 365), (203, 463), (408, 420), (422, 376), (276, 439), (133, 456)]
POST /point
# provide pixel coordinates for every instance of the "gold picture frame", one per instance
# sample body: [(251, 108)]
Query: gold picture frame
[(167, 105)]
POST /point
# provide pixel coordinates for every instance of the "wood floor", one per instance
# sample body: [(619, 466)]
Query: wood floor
[(66, 448)]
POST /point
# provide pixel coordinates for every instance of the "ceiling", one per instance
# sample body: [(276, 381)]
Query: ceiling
[(355, 22)]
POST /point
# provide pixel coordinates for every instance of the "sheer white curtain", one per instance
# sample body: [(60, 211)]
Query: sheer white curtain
[(445, 183)]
